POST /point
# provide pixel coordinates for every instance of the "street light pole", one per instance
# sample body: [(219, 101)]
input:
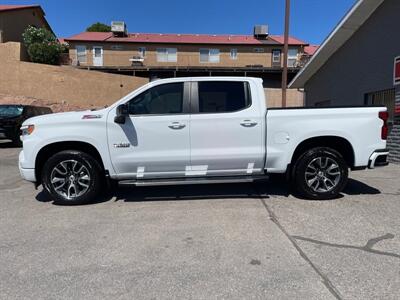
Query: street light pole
[(285, 53)]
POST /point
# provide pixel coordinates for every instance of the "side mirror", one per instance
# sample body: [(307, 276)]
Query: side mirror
[(122, 113)]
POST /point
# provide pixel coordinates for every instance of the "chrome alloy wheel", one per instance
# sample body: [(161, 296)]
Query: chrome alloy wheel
[(322, 174), (70, 179)]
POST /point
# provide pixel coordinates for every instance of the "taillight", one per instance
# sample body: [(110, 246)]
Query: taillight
[(384, 116)]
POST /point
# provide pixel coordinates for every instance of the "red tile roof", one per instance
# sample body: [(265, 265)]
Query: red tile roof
[(292, 40), (182, 38), (311, 49), (90, 36), (15, 7)]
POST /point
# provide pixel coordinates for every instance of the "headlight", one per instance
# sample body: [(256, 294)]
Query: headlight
[(27, 129)]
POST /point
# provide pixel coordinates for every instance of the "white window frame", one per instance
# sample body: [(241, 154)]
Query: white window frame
[(212, 56), (77, 53), (233, 54), (276, 58), (292, 57), (142, 51), (171, 54), (100, 57)]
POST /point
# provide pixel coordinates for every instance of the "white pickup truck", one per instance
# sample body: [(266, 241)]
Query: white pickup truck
[(200, 130)]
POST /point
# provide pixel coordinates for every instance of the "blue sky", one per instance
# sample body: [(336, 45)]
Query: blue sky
[(311, 20)]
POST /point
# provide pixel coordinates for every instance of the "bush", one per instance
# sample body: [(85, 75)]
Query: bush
[(44, 54), (42, 45)]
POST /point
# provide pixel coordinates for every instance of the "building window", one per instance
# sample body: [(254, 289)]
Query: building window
[(209, 55), (81, 54), (116, 47), (276, 56), (142, 51), (167, 55), (259, 50), (292, 57), (233, 54), (385, 98)]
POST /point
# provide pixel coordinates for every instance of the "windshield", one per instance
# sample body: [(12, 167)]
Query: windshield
[(10, 110)]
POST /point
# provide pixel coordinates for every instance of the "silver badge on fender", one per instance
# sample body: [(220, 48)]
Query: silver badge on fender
[(122, 145)]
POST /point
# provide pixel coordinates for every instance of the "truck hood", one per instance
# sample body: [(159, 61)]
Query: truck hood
[(66, 117)]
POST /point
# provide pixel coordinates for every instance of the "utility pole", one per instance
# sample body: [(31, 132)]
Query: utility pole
[(285, 53)]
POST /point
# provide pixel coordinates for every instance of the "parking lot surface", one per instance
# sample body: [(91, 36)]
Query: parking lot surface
[(238, 241)]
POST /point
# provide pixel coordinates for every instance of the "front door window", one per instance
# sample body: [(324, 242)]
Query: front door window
[(159, 100)]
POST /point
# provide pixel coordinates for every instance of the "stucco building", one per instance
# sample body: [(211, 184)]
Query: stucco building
[(355, 64), (14, 19), (168, 55)]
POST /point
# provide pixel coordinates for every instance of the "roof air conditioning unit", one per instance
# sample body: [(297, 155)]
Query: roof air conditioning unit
[(118, 28), (261, 31)]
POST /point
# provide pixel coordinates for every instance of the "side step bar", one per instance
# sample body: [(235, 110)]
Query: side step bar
[(193, 180)]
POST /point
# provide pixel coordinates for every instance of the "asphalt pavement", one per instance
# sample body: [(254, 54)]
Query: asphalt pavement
[(231, 241)]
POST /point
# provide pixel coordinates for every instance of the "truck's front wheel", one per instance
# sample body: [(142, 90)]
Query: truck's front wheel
[(72, 177), (320, 173)]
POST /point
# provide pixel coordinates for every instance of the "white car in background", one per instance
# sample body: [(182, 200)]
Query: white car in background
[(200, 130)]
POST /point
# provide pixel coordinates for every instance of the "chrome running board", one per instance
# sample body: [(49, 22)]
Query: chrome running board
[(195, 180)]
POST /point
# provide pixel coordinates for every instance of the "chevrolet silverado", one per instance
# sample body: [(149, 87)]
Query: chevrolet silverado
[(200, 130)]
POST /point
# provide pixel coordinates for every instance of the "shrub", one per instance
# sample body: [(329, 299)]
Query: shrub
[(42, 45)]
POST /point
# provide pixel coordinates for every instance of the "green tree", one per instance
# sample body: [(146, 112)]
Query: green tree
[(42, 45), (98, 27)]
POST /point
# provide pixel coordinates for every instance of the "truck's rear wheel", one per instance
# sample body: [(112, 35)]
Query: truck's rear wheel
[(320, 173), (72, 177)]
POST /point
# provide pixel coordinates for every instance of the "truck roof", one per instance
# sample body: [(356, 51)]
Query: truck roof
[(208, 78)]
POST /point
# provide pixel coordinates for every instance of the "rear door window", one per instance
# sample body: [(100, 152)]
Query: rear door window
[(223, 96)]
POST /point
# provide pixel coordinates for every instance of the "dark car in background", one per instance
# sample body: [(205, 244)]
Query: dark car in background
[(13, 115)]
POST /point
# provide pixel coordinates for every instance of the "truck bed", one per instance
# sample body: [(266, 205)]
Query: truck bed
[(288, 127)]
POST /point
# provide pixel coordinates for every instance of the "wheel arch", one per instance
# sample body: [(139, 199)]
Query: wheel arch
[(340, 144), (50, 149)]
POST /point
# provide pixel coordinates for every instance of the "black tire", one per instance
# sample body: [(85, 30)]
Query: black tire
[(91, 170), (324, 185)]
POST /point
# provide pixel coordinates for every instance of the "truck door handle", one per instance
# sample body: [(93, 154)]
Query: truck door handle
[(248, 123), (176, 125)]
